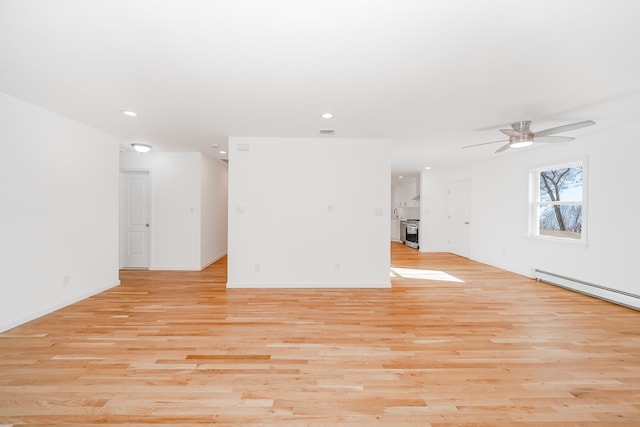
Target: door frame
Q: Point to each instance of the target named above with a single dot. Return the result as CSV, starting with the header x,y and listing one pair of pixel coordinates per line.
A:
x,y
122,224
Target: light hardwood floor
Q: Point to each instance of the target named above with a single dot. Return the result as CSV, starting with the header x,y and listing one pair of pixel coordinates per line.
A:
x,y
177,348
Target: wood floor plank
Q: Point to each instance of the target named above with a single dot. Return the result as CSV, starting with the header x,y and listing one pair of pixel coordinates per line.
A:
x,y
453,342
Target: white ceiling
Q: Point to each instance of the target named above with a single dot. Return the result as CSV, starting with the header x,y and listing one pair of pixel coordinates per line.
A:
x,y
432,76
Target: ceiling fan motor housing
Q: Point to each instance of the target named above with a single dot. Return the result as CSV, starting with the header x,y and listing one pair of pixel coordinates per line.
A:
x,y
522,126
526,135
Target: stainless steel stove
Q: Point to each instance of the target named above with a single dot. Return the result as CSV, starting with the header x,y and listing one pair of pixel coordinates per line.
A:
x,y
411,237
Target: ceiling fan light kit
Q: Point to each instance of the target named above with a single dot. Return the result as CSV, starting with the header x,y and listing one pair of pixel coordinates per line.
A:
x,y
521,144
141,148
520,135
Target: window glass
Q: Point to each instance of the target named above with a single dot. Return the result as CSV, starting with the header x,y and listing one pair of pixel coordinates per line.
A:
x,y
560,221
561,184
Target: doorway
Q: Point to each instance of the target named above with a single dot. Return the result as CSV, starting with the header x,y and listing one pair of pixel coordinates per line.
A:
x,y
459,218
135,205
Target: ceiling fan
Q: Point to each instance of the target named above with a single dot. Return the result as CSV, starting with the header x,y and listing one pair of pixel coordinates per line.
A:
x,y
521,136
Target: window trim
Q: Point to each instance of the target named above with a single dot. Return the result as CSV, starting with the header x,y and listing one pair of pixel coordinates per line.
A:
x,y
534,201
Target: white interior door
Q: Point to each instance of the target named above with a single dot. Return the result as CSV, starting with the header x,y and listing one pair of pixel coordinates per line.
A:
x,y
134,219
460,218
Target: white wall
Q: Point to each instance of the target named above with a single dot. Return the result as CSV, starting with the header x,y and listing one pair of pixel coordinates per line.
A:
x,y
175,207
433,211
59,216
500,211
213,245
281,230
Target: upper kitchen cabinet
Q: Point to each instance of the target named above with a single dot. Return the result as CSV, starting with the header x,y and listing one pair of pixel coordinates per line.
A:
x,y
407,195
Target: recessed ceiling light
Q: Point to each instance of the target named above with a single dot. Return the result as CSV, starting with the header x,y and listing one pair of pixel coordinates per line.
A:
x,y
401,177
222,152
141,148
427,168
129,113
327,115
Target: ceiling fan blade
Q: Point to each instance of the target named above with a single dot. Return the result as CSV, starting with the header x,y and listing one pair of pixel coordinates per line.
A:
x,y
564,128
504,147
485,143
511,132
553,138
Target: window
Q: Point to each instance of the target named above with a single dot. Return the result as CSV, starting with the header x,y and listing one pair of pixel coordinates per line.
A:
x,y
558,202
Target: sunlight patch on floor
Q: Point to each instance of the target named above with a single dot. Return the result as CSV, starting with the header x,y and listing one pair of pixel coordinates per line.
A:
x,y
415,273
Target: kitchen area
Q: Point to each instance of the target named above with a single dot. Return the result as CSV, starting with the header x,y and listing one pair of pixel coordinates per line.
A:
x,y
405,215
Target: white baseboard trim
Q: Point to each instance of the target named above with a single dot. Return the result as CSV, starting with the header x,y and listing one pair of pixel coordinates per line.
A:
x,y
173,268
32,316
356,285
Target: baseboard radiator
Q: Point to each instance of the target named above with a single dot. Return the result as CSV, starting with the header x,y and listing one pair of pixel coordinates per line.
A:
x,y
616,296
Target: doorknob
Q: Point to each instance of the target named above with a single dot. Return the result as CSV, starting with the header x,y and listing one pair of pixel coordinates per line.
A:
x,y
146,225
466,222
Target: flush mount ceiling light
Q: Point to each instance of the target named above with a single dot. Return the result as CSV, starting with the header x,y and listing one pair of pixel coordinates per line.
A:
x,y
521,144
222,152
141,148
129,113
327,116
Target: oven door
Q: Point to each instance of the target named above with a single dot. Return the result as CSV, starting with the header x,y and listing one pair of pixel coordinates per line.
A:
x,y
412,235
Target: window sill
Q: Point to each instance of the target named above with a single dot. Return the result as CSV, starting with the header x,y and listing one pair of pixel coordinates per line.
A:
x,y
575,243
